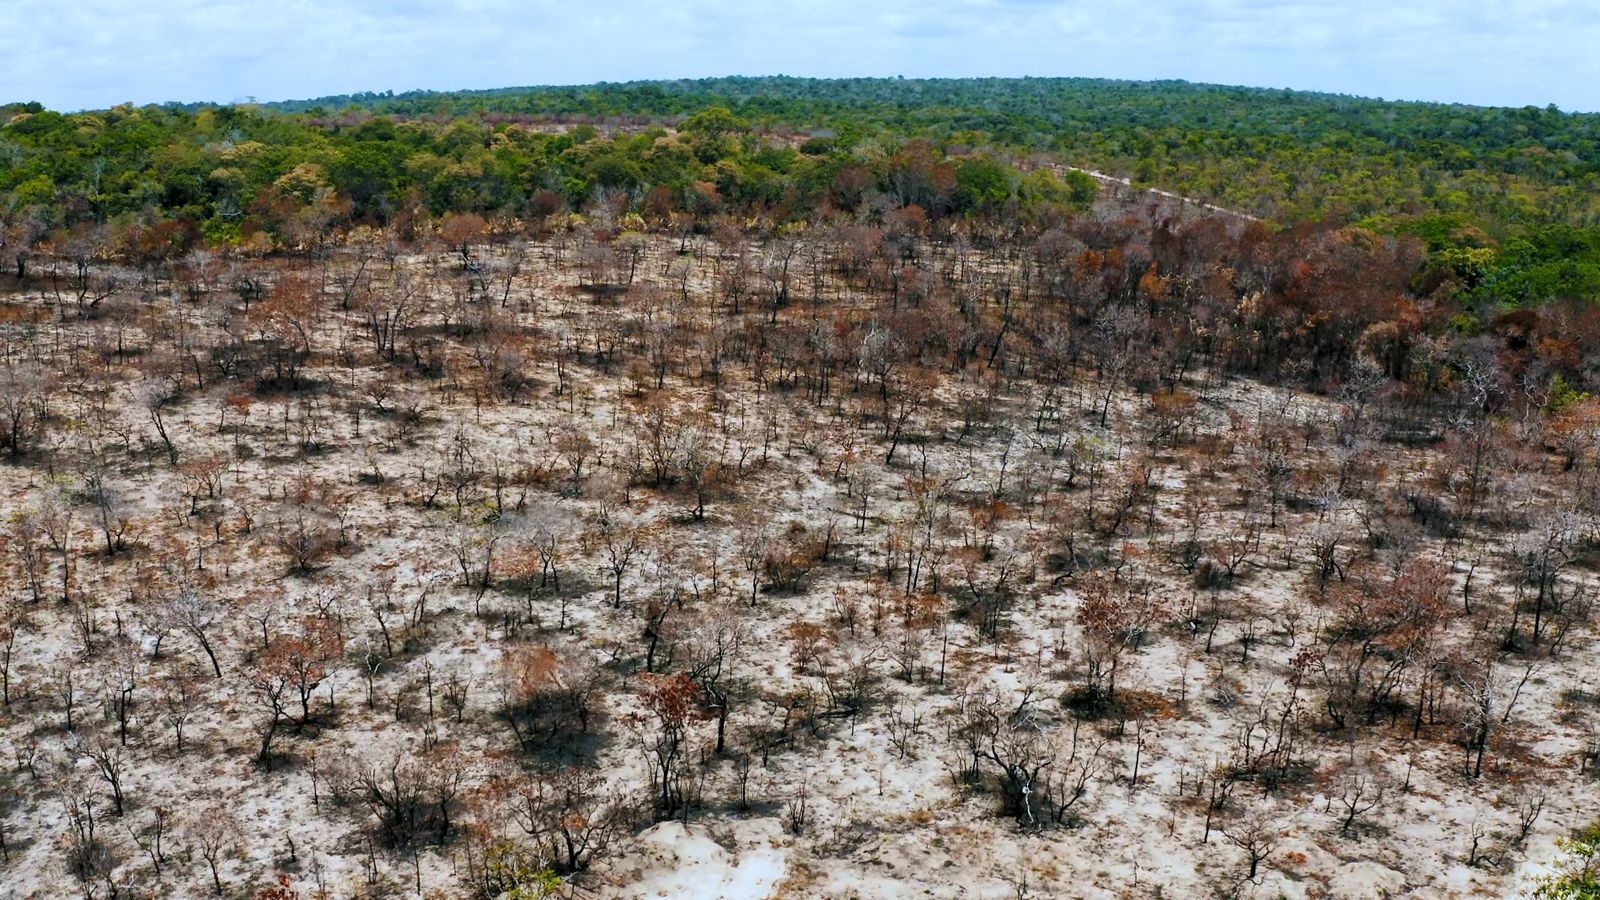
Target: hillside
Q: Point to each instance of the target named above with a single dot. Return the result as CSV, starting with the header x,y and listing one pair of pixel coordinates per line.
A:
x,y
775,489
1325,154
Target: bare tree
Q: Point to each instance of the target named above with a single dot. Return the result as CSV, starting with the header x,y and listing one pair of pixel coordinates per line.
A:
x,y
1257,831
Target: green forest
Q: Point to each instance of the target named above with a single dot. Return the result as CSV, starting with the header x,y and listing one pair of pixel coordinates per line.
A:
x,y
1506,201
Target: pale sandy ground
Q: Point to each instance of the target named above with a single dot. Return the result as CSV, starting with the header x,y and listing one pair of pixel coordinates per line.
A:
x,y
881,826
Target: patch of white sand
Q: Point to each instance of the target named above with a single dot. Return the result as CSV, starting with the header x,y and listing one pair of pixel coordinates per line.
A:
x,y
689,865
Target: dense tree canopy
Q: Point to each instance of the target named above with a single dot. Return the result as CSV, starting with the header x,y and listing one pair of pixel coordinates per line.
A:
x,y
1505,199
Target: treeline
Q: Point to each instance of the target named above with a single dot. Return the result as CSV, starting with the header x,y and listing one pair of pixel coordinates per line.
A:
x,y
1507,201
246,176
1289,155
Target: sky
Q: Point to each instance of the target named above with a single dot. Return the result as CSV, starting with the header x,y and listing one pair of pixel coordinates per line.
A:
x,y
88,54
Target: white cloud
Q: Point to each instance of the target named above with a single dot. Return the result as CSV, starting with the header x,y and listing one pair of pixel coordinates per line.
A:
x,y
89,53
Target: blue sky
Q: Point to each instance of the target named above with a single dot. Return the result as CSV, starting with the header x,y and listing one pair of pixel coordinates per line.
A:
x,y
72,54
